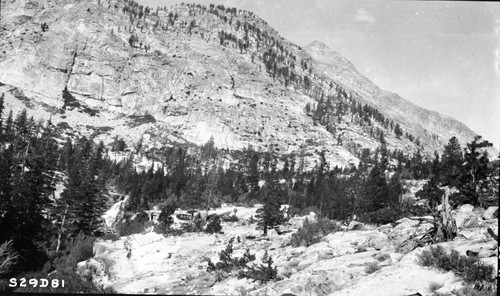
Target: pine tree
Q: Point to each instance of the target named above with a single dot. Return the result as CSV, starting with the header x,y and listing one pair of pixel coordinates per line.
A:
x,y
436,166
431,192
375,190
211,187
252,171
6,206
270,214
452,161
475,168
398,131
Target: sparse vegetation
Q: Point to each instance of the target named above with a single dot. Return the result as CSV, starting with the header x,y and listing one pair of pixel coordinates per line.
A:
x,y
227,262
118,145
471,269
371,267
263,272
382,256
110,236
129,228
213,225
229,218
433,286
470,291
311,232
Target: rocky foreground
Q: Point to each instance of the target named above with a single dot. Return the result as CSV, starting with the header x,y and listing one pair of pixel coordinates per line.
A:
x,y
359,260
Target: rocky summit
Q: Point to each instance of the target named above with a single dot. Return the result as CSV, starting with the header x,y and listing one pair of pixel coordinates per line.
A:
x,y
191,72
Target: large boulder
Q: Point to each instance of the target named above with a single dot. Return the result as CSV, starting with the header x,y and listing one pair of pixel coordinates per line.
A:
x,y
307,283
491,213
101,248
465,208
465,219
380,242
297,222
356,225
91,268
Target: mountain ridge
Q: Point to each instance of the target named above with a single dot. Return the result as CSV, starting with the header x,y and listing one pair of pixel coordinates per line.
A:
x,y
229,75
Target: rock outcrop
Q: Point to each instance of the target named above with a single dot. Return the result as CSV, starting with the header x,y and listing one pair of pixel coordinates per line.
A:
x,y
338,265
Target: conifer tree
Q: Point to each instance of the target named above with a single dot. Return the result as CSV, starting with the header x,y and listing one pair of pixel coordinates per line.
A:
x,y
475,168
375,190
252,171
431,192
452,161
270,214
211,187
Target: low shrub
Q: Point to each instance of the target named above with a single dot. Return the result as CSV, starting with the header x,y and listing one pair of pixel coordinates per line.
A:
x,y
360,249
227,263
166,230
129,228
229,218
118,145
183,216
110,236
311,232
382,257
470,291
263,272
213,225
191,227
433,286
471,269
141,119
371,267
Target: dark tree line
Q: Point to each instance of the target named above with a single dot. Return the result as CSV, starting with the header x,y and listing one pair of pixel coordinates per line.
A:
x,y
467,169
32,162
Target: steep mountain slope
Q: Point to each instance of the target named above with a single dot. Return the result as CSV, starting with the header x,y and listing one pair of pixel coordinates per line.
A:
x,y
430,126
190,72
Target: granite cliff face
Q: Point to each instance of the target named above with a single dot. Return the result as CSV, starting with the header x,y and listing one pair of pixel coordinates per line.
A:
x,y
172,76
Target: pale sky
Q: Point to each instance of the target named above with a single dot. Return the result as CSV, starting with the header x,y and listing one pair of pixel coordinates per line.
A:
x,y
440,55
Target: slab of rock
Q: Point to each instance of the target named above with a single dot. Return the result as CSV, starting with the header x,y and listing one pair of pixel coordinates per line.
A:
x,y
356,225
491,213
466,208
465,219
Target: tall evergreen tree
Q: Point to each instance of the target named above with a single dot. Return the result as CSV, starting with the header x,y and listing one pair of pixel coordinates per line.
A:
x,y
431,192
375,191
270,214
475,168
452,161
